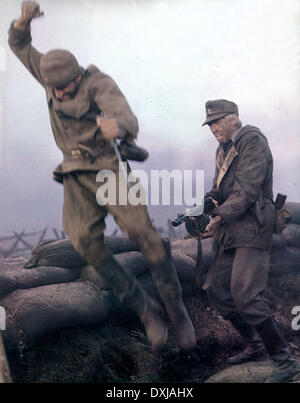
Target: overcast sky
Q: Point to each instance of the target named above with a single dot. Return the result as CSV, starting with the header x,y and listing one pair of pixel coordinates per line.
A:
x,y
169,57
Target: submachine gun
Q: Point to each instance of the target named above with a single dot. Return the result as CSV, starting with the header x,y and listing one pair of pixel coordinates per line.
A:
x,y
200,218
196,226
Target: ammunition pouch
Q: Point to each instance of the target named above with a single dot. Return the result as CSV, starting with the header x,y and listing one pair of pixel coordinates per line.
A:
x,y
282,217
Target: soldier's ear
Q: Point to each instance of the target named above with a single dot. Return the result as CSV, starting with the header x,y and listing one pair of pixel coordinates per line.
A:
x,y
78,79
234,119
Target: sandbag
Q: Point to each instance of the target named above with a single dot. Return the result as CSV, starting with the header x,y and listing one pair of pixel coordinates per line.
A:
x,y
45,275
291,234
61,253
55,253
132,261
13,276
6,262
8,283
185,267
294,209
188,288
278,241
186,247
38,311
284,261
189,247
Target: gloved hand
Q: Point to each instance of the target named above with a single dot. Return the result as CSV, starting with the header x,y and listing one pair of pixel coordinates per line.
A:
x,y
212,227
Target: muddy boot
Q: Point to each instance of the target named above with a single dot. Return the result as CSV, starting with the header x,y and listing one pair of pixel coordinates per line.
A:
x,y
255,350
129,292
165,277
287,369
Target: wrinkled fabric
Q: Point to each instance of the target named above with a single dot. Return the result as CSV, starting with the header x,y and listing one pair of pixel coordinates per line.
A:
x,y
84,219
245,170
238,275
84,223
236,282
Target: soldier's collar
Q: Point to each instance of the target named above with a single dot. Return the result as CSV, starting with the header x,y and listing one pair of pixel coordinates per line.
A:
x,y
234,136
227,145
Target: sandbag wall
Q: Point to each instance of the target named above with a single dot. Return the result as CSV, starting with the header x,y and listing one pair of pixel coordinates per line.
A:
x,y
56,289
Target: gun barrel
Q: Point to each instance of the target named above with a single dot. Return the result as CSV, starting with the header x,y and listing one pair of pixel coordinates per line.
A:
x,y
178,221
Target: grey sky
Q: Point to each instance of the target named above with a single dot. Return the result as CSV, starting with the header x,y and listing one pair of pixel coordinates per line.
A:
x,y
168,57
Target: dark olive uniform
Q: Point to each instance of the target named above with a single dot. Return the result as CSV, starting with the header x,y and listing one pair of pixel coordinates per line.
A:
x,y
239,274
243,187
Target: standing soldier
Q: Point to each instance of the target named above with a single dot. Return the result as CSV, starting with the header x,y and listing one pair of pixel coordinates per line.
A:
x,y
242,228
76,97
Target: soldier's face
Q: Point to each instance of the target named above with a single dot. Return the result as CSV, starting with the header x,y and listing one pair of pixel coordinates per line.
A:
x,y
67,92
222,130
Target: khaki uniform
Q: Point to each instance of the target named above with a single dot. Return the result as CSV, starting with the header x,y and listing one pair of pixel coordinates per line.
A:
x,y
74,127
85,153
73,122
239,273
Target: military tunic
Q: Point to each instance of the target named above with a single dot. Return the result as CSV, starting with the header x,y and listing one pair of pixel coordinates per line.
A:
x,y
73,122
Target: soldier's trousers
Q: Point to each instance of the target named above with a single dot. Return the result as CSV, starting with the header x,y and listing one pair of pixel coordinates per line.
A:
x,y
84,223
236,282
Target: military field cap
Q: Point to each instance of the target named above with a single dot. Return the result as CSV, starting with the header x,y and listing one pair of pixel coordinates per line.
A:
x,y
58,68
218,109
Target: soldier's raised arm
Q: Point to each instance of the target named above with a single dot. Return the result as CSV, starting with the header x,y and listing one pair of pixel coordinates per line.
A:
x,y
20,39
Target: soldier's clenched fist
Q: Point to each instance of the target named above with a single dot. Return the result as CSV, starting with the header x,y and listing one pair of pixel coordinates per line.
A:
x,y
30,10
108,126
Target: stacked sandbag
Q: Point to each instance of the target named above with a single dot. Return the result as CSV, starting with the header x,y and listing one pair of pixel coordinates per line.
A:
x,y
47,298
131,261
285,256
291,235
13,276
189,247
134,263
38,311
61,290
283,261
61,252
294,209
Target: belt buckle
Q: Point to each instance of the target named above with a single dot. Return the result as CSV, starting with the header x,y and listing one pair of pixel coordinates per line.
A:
x,y
76,154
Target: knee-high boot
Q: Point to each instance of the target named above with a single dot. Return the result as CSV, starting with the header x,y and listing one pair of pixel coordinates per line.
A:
x,y
255,349
165,277
286,367
128,290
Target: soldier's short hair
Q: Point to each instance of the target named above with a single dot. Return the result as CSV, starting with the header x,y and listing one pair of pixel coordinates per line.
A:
x,y
232,116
